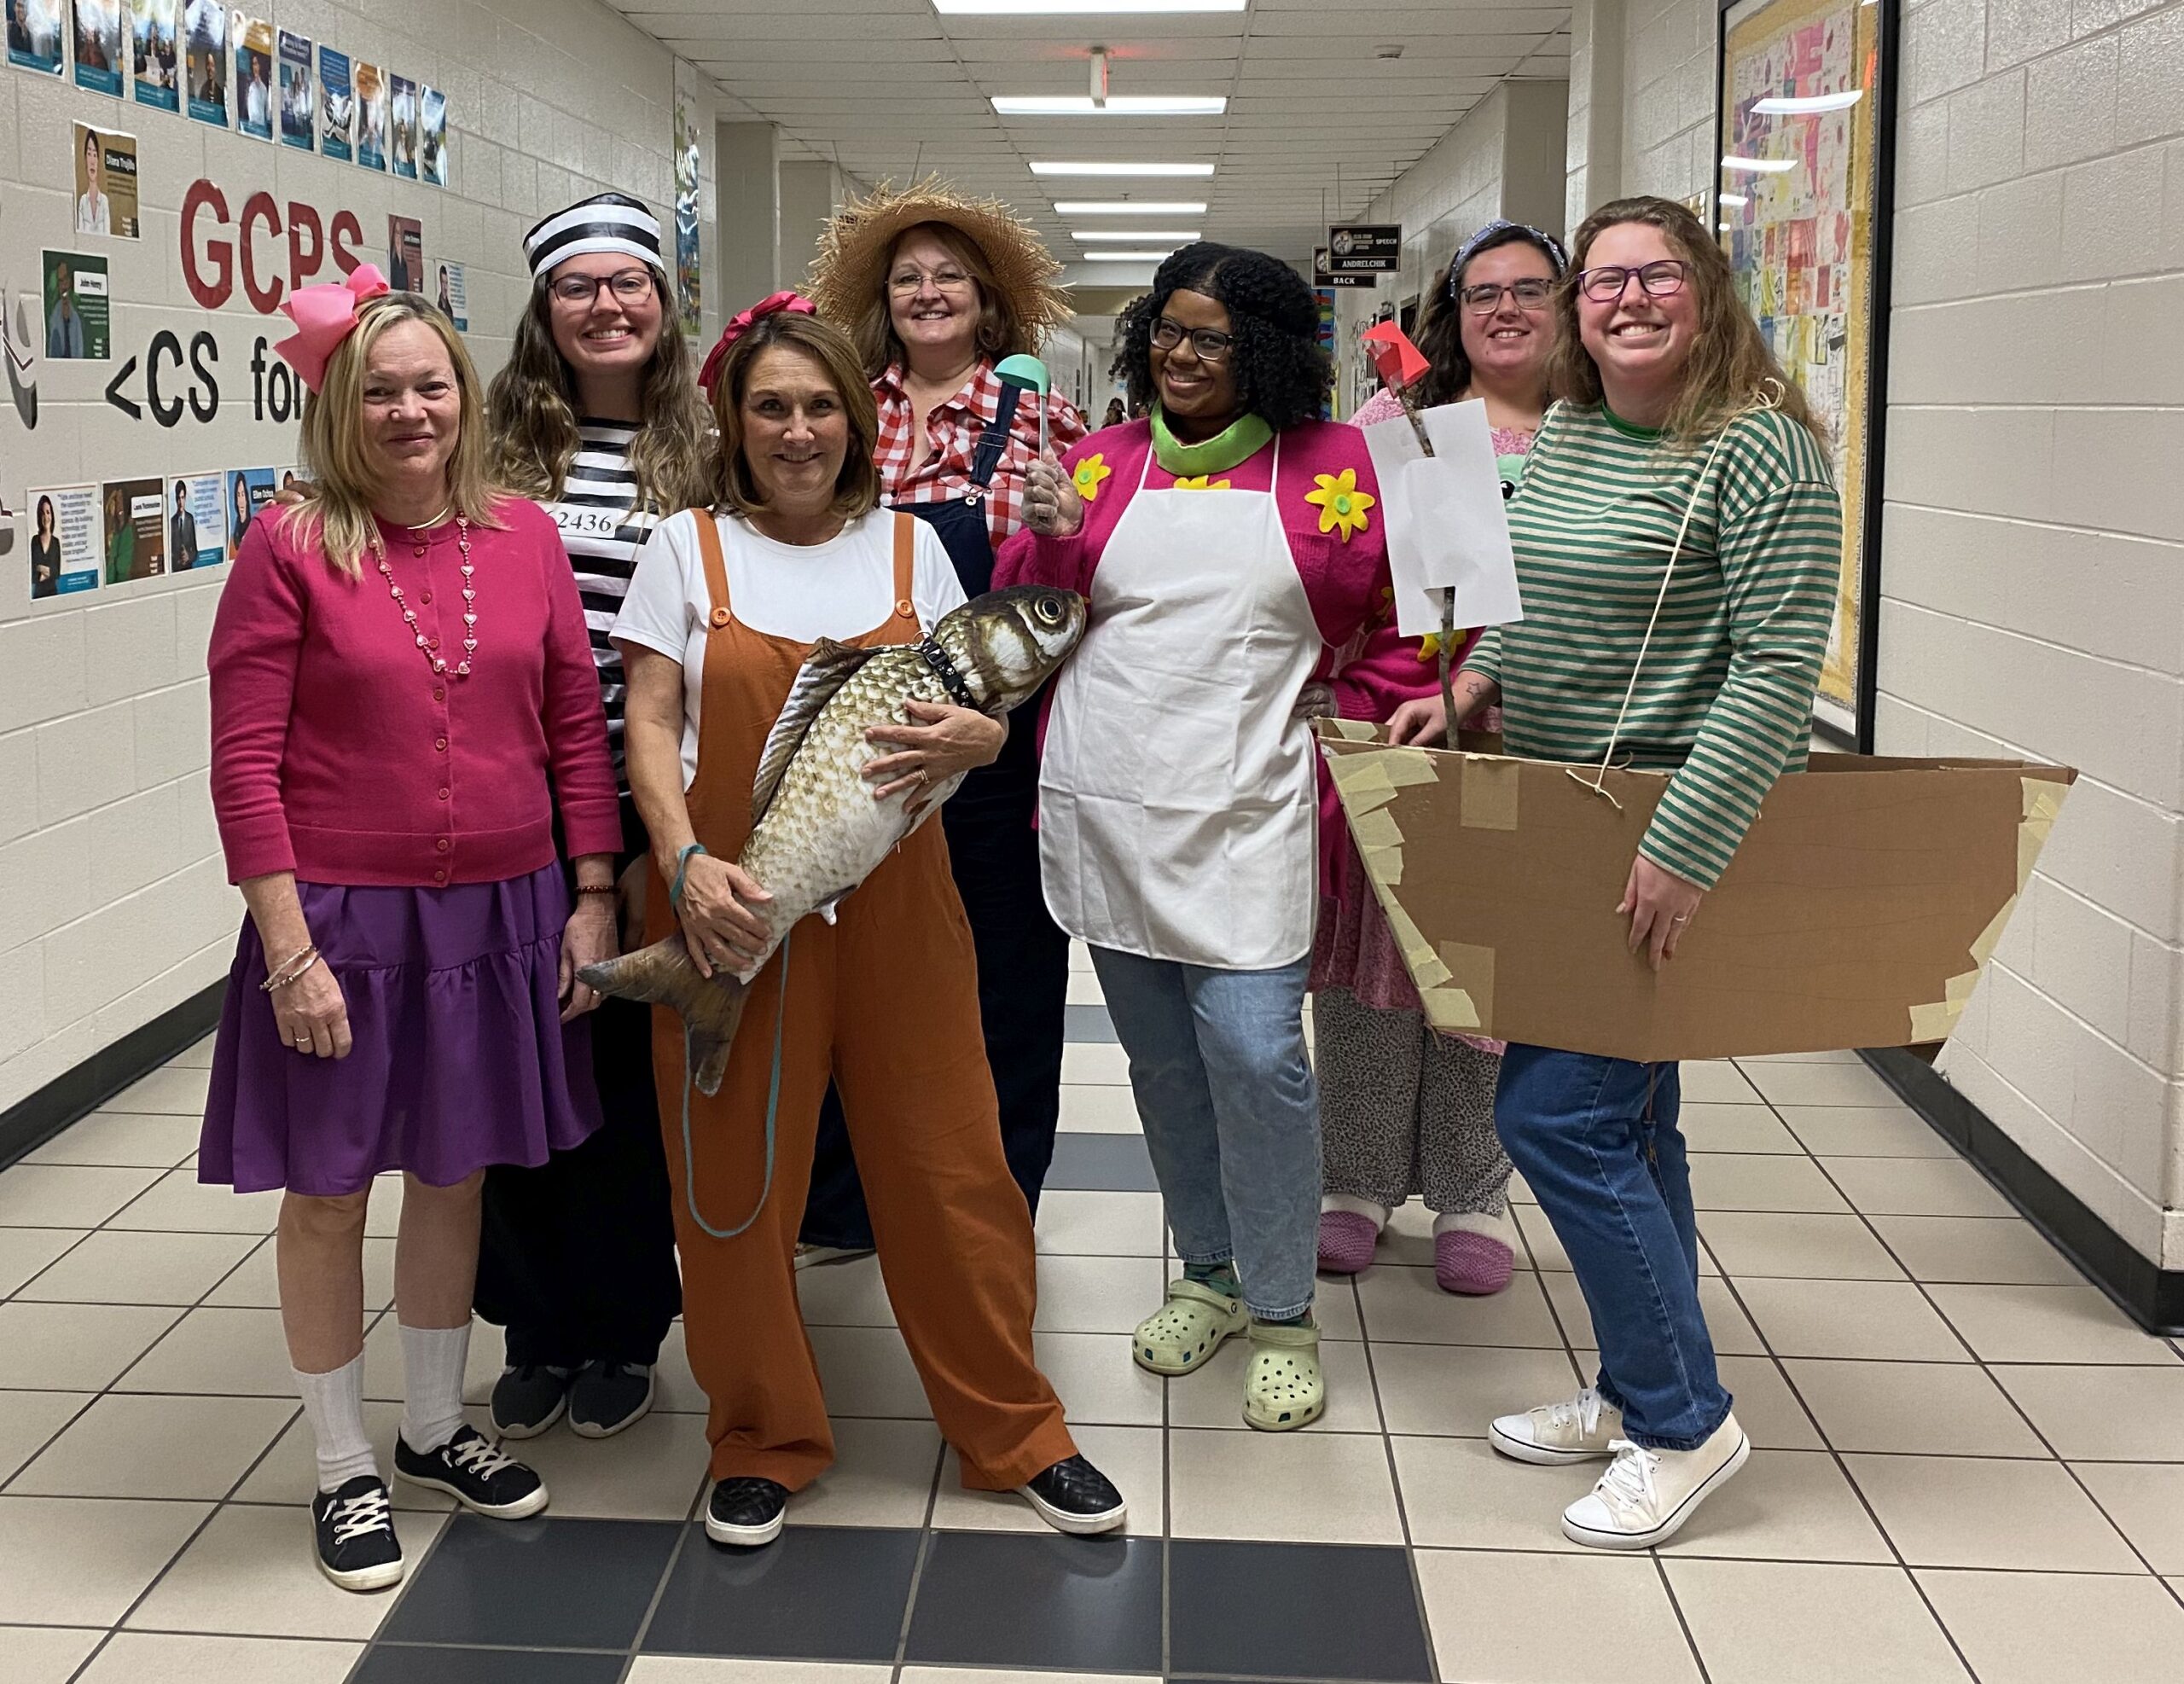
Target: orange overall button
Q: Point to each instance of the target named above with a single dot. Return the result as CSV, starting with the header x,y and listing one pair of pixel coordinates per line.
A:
x,y
719,618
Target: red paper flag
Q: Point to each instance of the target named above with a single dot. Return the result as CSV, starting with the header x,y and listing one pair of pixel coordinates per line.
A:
x,y
1400,362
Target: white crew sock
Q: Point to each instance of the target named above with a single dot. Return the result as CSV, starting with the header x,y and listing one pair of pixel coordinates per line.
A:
x,y
334,1404
432,1360
1477,1222
1377,1214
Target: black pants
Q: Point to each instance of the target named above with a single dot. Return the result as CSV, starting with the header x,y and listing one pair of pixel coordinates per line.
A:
x,y
1023,992
577,1257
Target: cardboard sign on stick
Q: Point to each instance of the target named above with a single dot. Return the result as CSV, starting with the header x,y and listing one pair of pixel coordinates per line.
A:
x,y
1859,911
1447,526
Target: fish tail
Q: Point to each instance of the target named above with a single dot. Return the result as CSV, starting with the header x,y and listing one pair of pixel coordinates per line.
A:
x,y
663,975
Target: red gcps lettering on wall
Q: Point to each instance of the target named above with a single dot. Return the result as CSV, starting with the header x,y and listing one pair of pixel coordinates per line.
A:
x,y
216,250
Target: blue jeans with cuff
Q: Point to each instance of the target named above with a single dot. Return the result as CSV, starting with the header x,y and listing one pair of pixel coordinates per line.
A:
x,y
1597,1140
1231,1115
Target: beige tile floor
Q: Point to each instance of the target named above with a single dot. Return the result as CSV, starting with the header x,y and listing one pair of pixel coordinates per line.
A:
x,y
1969,1464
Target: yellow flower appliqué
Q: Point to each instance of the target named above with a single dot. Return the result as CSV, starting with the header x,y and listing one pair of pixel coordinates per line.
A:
x,y
1088,474
1342,505
1201,483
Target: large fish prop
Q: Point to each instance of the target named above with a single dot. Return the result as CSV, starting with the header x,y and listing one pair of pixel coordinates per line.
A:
x,y
816,831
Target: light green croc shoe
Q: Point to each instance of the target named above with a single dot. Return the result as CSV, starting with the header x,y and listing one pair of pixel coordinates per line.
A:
x,y
1187,1330
1283,1387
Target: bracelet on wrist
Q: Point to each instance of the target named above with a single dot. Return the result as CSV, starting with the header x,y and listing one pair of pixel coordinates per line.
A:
x,y
290,969
682,867
594,889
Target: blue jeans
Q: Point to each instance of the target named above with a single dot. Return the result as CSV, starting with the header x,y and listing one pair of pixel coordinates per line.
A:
x,y
1231,1115
1597,1140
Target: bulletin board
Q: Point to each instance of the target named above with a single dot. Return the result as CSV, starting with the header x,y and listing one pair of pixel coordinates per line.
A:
x,y
1804,201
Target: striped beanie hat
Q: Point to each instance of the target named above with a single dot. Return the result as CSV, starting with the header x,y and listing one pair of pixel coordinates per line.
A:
x,y
606,222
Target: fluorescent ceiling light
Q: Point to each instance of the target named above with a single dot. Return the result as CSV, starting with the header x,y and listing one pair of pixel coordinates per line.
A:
x,y
1804,105
1127,256
1179,236
1056,8
1733,199
1117,105
1758,166
1125,207
1122,169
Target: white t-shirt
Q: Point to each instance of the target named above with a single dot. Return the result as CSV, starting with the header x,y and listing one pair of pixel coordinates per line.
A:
x,y
842,589
94,214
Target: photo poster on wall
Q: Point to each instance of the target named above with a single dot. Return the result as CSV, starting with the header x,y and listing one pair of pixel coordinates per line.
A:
x,y
135,529
34,34
689,286
106,182
155,54
405,254
253,39
78,327
99,46
197,521
371,116
451,293
250,490
337,104
64,523
432,136
402,126
299,94
204,61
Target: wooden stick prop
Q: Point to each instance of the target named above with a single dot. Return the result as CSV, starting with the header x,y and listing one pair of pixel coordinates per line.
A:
x,y
1402,366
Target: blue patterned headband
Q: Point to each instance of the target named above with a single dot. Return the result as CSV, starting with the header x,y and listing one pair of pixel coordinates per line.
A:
x,y
1546,241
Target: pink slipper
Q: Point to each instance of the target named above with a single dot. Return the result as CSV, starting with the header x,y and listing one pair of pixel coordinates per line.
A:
x,y
1346,1241
1470,1263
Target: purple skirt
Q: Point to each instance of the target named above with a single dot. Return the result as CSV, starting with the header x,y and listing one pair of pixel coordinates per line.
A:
x,y
461,1058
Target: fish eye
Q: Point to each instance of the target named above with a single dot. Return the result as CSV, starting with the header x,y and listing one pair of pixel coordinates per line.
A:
x,y
1048,609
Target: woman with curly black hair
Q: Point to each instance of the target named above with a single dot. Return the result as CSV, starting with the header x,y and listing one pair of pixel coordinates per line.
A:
x,y
1225,542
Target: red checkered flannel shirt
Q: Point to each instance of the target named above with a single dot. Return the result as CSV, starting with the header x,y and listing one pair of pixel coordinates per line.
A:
x,y
954,428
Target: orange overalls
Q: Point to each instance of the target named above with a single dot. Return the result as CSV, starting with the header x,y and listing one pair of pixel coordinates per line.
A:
x,y
886,999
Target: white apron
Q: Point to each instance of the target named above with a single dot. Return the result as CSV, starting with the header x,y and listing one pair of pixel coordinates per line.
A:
x,y
1177,801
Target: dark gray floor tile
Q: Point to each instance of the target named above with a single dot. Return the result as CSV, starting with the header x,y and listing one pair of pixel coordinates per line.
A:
x,y
397,1664
820,1593
1343,1611
1090,1023
1025,1600
566,1584
1102,1163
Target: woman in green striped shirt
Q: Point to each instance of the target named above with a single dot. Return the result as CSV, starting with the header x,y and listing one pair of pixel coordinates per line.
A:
x,y
1677,521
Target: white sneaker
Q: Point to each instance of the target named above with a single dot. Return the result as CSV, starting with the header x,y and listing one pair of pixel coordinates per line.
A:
x,y
1646,1495
1581,1430
812,1257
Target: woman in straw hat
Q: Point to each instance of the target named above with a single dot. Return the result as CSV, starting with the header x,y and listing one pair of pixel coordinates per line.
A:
x,y
935,290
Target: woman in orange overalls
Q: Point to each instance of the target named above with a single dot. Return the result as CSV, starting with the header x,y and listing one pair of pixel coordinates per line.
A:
x,y
720,615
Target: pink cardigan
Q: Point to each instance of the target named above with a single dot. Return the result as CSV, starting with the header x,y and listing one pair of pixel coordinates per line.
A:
x,y
338,754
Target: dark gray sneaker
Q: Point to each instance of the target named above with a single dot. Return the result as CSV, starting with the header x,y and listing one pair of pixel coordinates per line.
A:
x,y
357,1549
528,1398
604,1397
483,1479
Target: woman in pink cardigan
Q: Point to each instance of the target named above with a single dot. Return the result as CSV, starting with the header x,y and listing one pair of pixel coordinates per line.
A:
x,y
1405,1109
399,666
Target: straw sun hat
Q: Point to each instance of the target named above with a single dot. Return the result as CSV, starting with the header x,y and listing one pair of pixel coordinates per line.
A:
x,y
855,248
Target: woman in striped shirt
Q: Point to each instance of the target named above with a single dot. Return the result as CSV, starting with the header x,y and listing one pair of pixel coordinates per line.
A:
x,y
597,415
1678,540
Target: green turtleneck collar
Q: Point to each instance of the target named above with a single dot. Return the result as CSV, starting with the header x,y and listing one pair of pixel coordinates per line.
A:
x,y
1244,438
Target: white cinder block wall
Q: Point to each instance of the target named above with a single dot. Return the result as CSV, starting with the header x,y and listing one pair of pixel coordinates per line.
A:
x,y
114,902
2033,567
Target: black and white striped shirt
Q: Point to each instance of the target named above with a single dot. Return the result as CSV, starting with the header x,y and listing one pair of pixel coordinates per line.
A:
x,y
602,532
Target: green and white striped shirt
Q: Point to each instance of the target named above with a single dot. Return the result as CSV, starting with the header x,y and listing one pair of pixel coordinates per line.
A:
x,y
1726,693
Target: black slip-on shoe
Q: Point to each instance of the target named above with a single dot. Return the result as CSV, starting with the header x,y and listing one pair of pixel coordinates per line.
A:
x,y
1074,1496
745,1511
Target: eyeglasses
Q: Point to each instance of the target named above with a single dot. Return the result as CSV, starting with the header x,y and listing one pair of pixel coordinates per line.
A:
x,y
1484,299
1658,280
1210,344
910,282
630,285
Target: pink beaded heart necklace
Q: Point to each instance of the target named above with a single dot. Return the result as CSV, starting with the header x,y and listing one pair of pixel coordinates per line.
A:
x,y
431,648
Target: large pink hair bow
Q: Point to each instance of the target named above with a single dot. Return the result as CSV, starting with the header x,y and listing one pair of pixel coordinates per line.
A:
x,y
794,303
324,316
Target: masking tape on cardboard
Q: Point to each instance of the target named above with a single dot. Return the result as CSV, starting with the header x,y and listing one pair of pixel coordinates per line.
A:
x,y
1380,844
1490,794
1418,958
1469,1001
1350,730
1937,1021
1984,943
1408,766
2043,801
1449,1008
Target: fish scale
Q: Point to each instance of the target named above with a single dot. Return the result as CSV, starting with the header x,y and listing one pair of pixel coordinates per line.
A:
x,y
820,834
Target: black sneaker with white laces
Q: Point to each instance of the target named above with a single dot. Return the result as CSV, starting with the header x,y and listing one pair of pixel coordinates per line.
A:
x,y
606,1397
1074,1496
528,1398
483,1480
745,1511
357,1549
